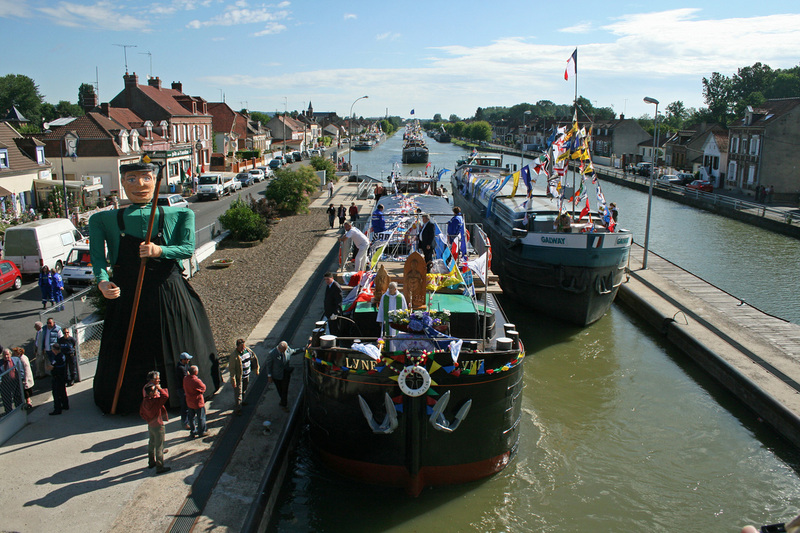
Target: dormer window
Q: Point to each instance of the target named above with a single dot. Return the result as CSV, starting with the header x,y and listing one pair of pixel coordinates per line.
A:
x,y
40,155
123,141
135,141
3,158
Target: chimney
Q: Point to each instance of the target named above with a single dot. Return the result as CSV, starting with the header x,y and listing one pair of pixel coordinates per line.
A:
x,y
622,116
131,83
104,108
89,102
154,82
177,86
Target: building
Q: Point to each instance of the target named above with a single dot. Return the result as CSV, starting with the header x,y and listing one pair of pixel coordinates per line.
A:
x,y
618,142
183,122
763,149
287,133
715,158
684,150
22,160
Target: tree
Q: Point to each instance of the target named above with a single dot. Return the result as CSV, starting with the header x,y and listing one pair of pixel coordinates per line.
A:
x,y
259,116
479,114
454,118
68,109
479,131
86,91
21,91
458,129
438,117
676,114
717,96
244,224
323,163
290,189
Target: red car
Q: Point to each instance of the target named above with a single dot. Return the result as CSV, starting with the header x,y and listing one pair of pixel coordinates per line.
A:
x,y
10,276
701,185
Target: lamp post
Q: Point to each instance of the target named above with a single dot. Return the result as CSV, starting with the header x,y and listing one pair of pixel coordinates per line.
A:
x,y
285,112
522,139
649,100
350,149
71,141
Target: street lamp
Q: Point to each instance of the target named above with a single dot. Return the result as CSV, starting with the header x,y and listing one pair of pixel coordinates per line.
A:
x,y
522,139
350,149
71,142
649,100
285,112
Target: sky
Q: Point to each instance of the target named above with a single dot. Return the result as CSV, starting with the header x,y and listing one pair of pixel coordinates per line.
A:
x,y
430,56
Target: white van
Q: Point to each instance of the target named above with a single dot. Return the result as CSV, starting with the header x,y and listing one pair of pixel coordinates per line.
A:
x,y
41,242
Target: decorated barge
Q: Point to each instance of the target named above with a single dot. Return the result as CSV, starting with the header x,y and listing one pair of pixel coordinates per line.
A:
x,y
433,395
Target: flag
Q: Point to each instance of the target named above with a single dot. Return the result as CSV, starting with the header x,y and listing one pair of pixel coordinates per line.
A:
x,y
515,183
526,177
412,111
585,211
479,266
184,179
572,65
441,173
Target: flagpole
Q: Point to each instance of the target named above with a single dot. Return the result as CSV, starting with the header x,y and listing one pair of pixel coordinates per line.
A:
x,y
575,103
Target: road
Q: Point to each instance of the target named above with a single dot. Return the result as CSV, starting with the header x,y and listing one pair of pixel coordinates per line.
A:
x,y
20,309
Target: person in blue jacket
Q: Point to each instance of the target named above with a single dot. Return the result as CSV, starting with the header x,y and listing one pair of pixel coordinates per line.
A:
x,y
56,288
378,222
45,286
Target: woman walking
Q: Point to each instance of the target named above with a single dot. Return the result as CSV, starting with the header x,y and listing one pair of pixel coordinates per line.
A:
x,y
331,215
342,213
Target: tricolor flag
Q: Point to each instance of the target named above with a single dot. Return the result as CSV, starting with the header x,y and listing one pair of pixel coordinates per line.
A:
x,y
412,111
572,66
585,211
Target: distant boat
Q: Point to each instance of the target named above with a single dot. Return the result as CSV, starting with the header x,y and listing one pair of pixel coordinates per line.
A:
x,y
570,271
363,145
442,135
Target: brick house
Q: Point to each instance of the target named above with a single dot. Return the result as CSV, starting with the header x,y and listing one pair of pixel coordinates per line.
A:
x,y
762,149
22,160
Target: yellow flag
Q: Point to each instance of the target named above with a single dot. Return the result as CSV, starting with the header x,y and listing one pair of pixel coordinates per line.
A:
x,y
515,177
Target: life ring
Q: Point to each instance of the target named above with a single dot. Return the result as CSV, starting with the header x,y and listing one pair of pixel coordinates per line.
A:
x,y
422,388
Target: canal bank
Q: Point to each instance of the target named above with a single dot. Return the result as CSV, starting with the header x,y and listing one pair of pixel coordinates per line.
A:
x,y
754,355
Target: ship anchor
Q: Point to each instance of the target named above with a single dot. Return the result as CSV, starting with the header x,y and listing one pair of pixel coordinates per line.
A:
x,y
389,423
440,423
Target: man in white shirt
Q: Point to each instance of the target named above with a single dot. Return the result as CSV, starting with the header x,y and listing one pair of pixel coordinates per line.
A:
x,y
360,241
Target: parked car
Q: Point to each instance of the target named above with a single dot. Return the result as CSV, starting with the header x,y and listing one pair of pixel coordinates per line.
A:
x,y
297,156
213,186
315,153
701,185
305,154
245,178
643,169
269,174
172,200
10,276
672,179
236,185
276,163
685,177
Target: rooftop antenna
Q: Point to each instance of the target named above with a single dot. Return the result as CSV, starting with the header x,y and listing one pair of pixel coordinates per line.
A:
x,y
125,49
151,60
243,103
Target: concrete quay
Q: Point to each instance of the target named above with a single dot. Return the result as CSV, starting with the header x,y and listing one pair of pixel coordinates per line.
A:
x,y
754,355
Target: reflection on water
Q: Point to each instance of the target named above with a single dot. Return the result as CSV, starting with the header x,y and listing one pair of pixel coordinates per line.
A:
x,y
619,432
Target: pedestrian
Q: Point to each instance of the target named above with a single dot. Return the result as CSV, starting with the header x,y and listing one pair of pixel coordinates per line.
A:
x,y
56,289
58,379
67,343
12,375
39,359
361,243
353,212
154,413
181,371
378,192
242,363
759,194
331,215
45,287
455,227
195,181
614,211
279,371
51,334
194,388
330,189
170,318
342,214
333,302
28,381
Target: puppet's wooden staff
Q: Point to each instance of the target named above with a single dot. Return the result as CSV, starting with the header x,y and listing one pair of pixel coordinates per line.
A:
x,y
137,294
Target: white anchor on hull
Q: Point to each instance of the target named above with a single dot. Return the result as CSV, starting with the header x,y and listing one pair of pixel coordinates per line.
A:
x,y
389,423
440,423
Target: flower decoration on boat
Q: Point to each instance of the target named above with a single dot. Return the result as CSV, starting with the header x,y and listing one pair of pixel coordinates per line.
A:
x,y
419,320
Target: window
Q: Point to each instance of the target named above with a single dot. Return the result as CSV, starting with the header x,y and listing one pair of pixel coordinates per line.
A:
x,y
67,238
40,155
754,145
751,175
735,145
732,171
3,158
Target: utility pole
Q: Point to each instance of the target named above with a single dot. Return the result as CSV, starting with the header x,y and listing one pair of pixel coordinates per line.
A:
x,y
125,49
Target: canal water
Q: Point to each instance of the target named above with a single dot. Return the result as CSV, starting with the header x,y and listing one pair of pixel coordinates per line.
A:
x,y
620,432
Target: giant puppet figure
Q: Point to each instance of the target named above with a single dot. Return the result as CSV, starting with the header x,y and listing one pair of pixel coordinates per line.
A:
x,y
170,317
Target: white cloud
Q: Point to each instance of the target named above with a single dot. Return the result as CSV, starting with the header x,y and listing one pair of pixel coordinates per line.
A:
x,y
350,16
270,29
388,35
102,15
580,28
240,14
13,8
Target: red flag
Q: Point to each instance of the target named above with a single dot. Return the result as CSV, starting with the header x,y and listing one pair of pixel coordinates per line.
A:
x,y
585,210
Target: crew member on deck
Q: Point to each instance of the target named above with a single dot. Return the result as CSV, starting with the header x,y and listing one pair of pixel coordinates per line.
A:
x,y
378,222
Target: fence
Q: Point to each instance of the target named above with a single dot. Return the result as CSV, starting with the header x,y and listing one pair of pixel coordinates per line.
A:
x,y
14,416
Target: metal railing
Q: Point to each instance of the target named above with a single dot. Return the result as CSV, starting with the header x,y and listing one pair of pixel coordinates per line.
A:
x,y
12,390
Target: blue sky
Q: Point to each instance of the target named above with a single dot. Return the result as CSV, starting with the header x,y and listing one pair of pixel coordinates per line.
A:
x,y
432,56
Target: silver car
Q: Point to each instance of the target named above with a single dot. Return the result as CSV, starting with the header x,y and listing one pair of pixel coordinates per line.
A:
x,y
172,200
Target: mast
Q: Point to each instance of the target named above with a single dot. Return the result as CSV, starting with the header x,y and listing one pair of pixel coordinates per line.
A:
x,y
575,114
